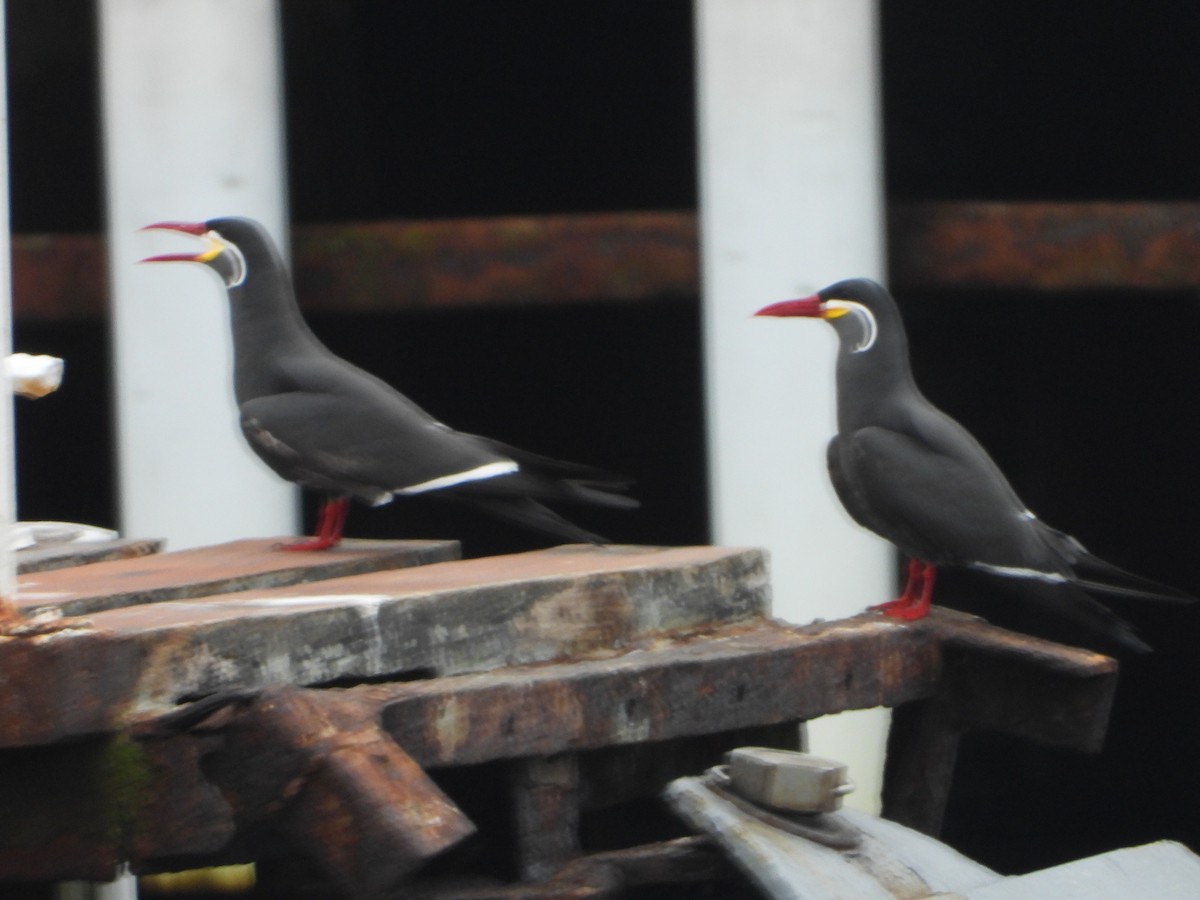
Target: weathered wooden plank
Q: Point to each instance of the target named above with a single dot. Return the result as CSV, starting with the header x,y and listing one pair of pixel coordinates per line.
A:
x,y
220,569
45,557
445,618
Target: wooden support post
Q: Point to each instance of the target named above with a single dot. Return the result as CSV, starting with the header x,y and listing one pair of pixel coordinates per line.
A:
x,y
546,799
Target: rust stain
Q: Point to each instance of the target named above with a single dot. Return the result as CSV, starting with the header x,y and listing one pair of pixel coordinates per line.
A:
x,y
1046,246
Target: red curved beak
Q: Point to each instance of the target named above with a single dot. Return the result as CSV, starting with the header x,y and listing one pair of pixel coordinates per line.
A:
x,y
196,228
809,307
185,227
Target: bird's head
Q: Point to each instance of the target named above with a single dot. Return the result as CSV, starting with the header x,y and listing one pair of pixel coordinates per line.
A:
x,y
226,241
853,307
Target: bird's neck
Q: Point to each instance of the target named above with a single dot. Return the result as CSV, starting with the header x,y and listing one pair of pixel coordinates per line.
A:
x,y
267,330
875,386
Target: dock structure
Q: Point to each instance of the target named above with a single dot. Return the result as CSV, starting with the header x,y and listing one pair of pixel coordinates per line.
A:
x,y
386,713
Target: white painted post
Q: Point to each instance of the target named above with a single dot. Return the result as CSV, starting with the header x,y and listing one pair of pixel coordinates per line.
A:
x,y
8,478
791,200
192,130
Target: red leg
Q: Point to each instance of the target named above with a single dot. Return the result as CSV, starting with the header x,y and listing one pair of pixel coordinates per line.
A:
x,y
914,600
330,520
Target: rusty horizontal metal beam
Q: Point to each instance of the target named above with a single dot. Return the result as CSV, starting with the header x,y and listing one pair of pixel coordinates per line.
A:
x,y
383,266
59,277
554,259
509,260
1045,246
209,788
763,674
175,788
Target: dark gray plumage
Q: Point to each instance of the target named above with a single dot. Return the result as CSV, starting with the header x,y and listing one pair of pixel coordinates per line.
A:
x,y
324,423
913,475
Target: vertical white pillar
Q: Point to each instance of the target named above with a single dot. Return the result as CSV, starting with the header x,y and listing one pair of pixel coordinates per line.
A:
x,y
8,481
192,130
790,200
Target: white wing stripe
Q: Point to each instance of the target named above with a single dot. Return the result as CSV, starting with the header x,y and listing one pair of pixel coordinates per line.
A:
x,y
1018,572
491,470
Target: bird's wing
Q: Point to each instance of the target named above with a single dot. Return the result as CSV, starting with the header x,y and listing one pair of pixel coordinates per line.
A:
x,y
360,445
942,504
848,488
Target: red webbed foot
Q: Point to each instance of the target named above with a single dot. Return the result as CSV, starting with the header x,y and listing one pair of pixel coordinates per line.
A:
x,y
913,603
330,521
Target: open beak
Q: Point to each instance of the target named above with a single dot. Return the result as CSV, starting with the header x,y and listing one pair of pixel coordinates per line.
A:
x,y
220,255
199,229
809,307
